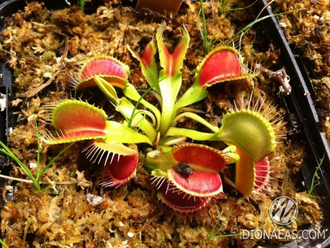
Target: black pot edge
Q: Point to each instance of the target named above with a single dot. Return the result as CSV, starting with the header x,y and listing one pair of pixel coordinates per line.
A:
x,y
301,104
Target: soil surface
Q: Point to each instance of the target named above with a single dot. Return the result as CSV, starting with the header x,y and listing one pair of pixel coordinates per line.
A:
x,y
45,48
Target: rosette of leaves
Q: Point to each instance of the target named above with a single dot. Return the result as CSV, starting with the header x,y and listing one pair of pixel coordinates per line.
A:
x,y
247,129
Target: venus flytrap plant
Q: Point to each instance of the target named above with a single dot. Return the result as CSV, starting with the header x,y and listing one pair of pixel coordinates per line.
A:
x,y
187,175
107,72
255,133
110,69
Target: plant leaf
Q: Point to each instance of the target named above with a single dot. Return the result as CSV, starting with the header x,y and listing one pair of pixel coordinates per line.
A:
x,y
189,166
220,65
109,68
170,77
172,63
230,154
148,64
126,108
195,184
160,160
200,156
245,173
107,89
193,134
197,118
71,115
262,169
194,94
120,133
76,120
119,162
7,151
248,130
44,170
131,92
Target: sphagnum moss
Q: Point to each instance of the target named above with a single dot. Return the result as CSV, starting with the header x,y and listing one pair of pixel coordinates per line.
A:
x,y
129,215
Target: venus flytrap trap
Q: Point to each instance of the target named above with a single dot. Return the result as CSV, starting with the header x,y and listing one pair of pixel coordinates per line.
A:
x,y
171,77
77,120
186,175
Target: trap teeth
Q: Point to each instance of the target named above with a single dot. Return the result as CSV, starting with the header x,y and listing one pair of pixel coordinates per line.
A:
x,y
180,201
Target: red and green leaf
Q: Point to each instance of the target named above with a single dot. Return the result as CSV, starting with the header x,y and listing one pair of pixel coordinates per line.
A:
x,y
262,168
203,162
220,65
119,162
170,78
201,183
111,69
251,177
204,157
73,115
172,62
77,120
148,64
120,172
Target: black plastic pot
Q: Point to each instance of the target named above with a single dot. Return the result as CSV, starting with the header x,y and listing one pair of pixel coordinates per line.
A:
x,y
299,106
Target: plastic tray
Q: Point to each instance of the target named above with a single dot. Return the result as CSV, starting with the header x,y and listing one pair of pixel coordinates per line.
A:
x,y
307,124
298,104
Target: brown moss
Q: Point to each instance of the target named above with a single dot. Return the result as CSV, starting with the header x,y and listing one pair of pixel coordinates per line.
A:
x,y
130,216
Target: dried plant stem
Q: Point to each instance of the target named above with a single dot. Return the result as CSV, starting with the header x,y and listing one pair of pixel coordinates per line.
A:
x,y
30,181
16,179
279,76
